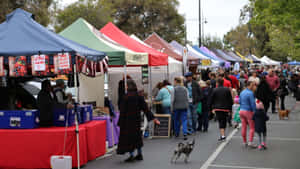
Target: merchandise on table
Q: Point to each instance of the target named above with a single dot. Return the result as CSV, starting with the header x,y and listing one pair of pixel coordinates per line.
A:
x,y
19,119
62,116
86,113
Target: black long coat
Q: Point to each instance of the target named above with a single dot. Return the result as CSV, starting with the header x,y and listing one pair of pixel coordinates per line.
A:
x,y
130,122
264,92
45,104
260,118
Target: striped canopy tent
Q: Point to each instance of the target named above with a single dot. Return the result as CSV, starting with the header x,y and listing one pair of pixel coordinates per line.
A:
x,y
156,42
84,33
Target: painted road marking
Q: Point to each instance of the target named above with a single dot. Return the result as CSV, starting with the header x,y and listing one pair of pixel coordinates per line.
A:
x,y
238,167
215,154
284,122
103,157
272,138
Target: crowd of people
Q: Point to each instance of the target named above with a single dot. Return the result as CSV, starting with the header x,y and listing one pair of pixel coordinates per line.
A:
x,y
228,96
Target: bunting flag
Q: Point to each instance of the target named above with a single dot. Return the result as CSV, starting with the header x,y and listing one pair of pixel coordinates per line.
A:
x,y
40,65
2,71
62,64
90,68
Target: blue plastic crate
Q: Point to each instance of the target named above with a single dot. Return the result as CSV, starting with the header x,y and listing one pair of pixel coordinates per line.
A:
x,y
19,119
60,117
86,113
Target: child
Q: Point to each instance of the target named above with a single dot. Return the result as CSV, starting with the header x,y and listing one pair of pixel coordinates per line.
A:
x,y
260,117
236,112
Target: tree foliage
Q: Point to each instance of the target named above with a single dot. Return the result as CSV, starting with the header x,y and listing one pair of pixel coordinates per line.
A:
x,y
268,27
213,42
142,17
95,12
40,8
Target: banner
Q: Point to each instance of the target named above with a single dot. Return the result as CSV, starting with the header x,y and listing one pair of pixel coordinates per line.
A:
x,y
40,65
60,64
2,72
206,62
17,66
145,74
64,61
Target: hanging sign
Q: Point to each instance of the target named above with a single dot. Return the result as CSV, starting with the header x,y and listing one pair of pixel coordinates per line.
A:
x,y
145,74
39,63
2,72
206,62
61,65
63,61
17,66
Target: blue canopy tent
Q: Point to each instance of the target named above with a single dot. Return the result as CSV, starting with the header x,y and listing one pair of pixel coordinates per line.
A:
x,y
208,55
294,63
21,35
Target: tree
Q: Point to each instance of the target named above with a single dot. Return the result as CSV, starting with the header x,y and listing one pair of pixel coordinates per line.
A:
x,y
143,17
213,42
40,8
281,19
94,11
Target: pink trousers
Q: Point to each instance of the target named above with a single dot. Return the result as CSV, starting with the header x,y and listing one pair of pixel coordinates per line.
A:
x,y
246,118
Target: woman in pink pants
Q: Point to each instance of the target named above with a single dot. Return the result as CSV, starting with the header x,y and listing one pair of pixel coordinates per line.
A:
x,y
247,109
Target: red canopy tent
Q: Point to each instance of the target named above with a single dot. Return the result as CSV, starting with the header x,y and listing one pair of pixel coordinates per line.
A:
x,y
156,58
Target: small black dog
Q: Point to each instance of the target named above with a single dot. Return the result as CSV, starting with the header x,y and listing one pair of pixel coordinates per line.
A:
x,y
185,149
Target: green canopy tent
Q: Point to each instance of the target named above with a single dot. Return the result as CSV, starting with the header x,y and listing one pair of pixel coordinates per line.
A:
x,y
84,33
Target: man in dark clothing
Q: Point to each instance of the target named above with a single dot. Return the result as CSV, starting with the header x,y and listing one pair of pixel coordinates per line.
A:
x,y
221,103
195,97
46,102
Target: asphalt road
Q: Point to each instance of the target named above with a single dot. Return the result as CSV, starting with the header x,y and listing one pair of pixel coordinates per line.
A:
x,y
283,142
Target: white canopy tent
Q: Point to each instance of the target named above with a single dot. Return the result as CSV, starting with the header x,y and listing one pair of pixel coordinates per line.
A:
x,y
267,61
214,63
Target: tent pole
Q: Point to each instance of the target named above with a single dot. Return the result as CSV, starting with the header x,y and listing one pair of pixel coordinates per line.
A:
x,y
150,86
168,72
76,118
125,78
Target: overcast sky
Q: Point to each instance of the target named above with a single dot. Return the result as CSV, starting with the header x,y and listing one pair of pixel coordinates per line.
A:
x,y
221,16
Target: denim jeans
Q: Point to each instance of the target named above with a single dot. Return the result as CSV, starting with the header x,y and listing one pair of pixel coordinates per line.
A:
x,y
192,117
180,117
166,110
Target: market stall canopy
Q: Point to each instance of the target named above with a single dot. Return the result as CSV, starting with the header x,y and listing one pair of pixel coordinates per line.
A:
x,y
84,33
199,50
233,55
156,58
243,57
223,55
254,59
158,43
21,35
267,61
133,36
294,63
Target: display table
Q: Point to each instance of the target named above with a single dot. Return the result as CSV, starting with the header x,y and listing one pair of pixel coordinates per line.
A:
x,y
112,129
32,148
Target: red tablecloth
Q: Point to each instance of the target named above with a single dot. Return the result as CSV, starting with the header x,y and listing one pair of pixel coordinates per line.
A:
x,y
32,148
96,136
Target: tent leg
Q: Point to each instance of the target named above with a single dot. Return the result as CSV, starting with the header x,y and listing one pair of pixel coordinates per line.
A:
x,y
125,78
168,73
76,119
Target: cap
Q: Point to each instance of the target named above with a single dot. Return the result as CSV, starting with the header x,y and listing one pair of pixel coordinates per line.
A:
x,y
188,74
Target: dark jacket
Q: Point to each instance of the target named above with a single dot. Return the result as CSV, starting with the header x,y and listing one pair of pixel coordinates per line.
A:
x,y
264,92
46,105
196,92
260,118
121,92
130,122
283,91
206,97
221,98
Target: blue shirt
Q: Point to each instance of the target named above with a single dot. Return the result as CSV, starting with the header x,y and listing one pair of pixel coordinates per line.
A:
x,y
247,100
164,95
